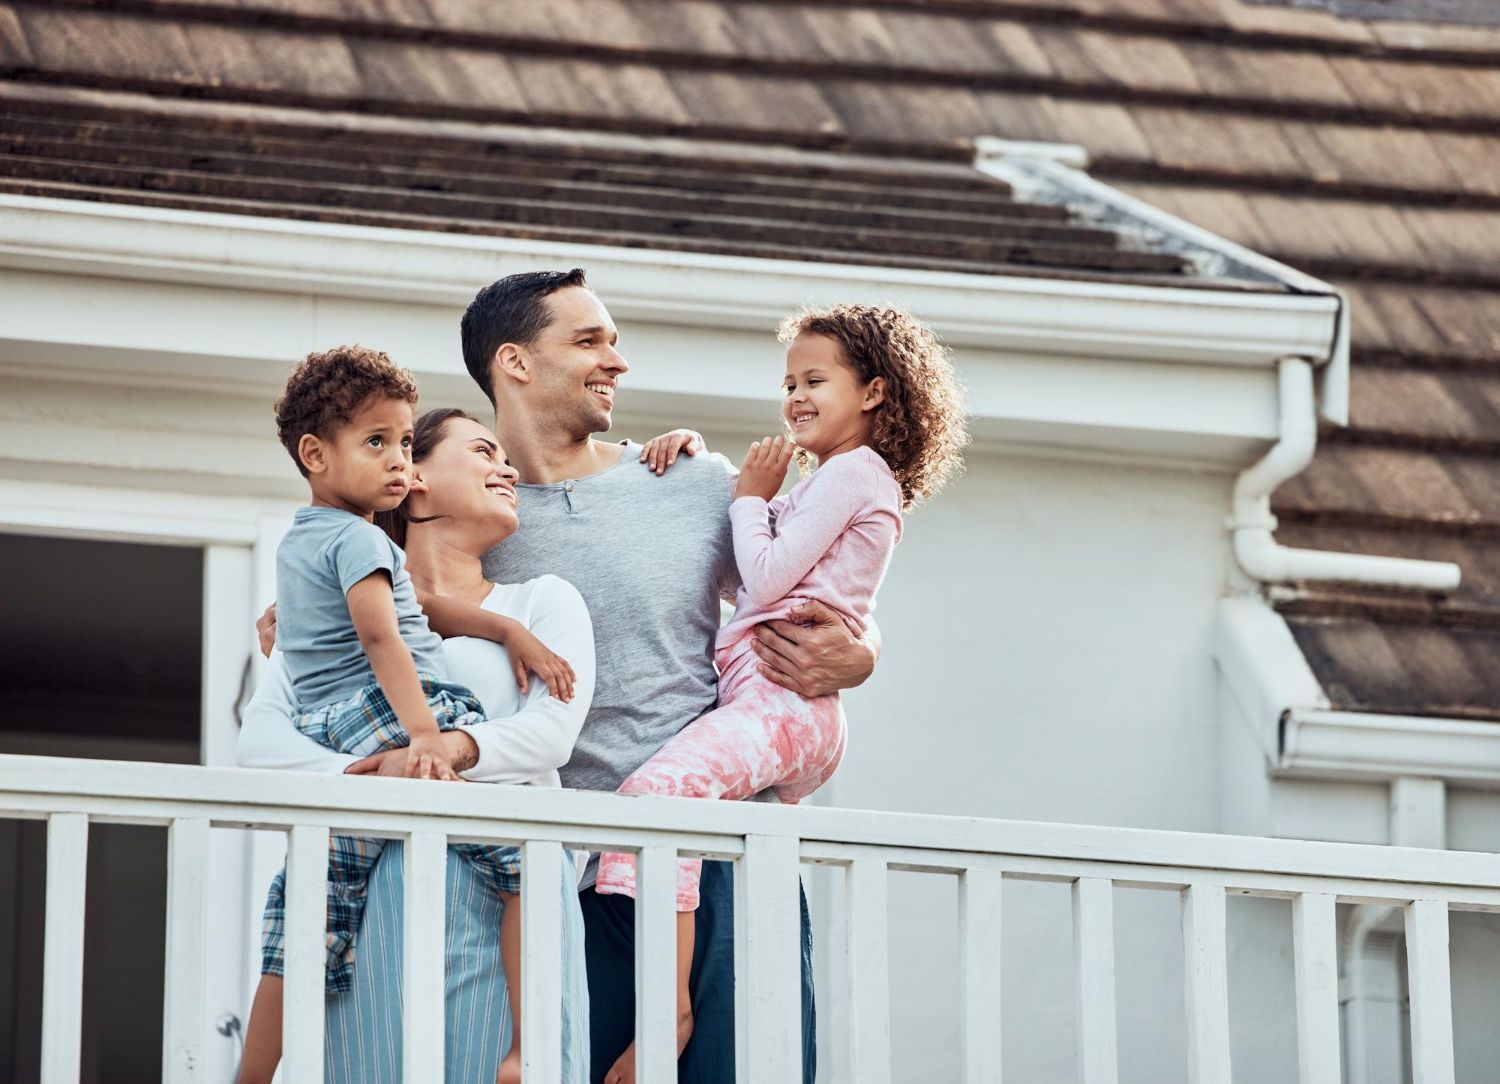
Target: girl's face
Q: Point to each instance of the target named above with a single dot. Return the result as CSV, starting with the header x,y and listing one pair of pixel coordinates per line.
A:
x,y
466,480
827,407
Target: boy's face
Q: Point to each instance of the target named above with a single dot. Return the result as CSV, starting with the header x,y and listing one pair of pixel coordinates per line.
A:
x,y
364,466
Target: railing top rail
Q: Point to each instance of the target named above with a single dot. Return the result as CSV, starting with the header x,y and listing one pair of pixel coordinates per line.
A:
x,y
234,791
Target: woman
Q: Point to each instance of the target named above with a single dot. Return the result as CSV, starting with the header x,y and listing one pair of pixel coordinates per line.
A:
x,y
461,505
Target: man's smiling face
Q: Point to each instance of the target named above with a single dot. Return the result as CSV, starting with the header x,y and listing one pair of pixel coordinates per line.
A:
x,y
577,365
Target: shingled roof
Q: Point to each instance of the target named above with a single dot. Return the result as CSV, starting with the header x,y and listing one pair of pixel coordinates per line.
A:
x,y
1365,153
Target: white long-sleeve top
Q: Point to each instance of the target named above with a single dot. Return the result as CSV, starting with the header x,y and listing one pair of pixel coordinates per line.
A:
x,y
525,738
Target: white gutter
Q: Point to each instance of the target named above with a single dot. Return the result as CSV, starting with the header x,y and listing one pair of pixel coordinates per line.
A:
x,y
1054,173
1251,522
1326,744
1303,736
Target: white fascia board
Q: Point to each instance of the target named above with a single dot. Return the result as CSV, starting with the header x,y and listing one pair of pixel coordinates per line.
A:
x,y
1368,747
1304,737
1088,319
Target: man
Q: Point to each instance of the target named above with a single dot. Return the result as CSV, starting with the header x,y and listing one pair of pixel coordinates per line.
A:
x,y
652,557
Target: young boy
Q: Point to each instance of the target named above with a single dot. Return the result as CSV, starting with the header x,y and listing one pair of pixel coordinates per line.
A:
x,y
366,671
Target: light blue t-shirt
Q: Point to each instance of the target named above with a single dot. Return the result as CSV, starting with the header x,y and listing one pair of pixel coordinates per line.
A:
x,y
326,552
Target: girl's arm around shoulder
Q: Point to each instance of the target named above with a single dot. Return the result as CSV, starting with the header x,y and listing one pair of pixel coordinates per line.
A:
x,y
540,737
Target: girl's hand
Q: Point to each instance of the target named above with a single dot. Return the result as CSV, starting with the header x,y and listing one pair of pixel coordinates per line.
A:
x,y
661,452
528,655
427,758
764,468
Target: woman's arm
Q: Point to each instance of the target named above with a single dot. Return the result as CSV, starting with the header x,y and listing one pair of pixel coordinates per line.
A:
x,y
539,738
268,737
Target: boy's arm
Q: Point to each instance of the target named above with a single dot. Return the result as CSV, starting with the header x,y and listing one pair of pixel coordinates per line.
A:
x,y
452,617
373,611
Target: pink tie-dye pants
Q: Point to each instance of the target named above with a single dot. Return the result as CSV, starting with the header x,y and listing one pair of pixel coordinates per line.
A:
x,y
759,736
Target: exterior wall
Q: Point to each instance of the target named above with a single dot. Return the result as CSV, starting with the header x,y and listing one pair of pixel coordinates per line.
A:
x,y
1046,626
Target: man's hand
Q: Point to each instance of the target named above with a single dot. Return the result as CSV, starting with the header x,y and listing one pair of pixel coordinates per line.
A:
x,y
813,653
265,630
661,452
764,468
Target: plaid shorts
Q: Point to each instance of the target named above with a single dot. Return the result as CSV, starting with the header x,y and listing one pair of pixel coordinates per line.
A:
x,y
362,725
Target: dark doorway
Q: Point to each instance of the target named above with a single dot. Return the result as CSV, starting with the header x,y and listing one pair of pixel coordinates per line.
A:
x,y
102,659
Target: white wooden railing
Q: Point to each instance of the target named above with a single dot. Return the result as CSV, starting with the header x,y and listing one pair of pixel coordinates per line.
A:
x,y
767,844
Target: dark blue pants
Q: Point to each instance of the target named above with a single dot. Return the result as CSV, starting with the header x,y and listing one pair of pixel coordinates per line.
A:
x,y
609,948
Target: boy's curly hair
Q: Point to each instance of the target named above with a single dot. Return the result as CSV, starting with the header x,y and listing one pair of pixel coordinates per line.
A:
x,y
326,389
919,428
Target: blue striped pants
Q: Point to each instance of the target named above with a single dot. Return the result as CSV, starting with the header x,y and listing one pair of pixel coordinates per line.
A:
x,y
364,1024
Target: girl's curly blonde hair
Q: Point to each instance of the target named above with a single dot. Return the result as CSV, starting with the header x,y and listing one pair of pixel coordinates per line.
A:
x,y
919,428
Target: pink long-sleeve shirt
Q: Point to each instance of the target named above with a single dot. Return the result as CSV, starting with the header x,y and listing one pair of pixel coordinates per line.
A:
x,y
829,538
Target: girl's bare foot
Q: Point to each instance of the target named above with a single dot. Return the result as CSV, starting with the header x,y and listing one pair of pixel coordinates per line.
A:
x,y
510,1069
623,1070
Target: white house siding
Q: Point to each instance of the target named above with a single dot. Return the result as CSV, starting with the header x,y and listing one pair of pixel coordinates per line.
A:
x,y
1048,628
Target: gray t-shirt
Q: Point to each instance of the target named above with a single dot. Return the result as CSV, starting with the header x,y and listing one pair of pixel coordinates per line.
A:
x,y
652,557
326,552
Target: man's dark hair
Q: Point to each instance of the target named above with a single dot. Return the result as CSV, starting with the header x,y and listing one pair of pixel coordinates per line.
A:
x,y
513,310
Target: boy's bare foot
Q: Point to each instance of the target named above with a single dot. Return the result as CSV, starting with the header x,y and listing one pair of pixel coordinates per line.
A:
x,y
510,1069
623,1070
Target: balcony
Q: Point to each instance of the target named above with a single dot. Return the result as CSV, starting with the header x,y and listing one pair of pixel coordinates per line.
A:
x,y
768,845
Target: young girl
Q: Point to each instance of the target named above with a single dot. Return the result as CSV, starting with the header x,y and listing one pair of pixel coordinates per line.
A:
x,y
871,394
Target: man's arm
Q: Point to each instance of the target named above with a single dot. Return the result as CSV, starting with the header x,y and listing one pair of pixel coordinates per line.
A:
x,y
815,653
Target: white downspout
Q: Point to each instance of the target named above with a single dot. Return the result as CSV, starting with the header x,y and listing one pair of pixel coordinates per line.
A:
x,y
1251,521
1372,995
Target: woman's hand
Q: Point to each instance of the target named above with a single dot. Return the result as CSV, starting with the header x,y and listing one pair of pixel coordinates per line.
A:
x,y
427,758
528,655
661,452
764,468
462,755
265,630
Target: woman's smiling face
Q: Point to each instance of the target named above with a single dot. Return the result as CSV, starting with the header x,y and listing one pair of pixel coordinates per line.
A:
x,y
466,480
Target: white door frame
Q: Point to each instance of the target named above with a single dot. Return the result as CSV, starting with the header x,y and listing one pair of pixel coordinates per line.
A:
x,y
238,538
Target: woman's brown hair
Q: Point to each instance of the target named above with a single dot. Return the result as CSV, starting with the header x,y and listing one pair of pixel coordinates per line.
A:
x,y
919,427
426,434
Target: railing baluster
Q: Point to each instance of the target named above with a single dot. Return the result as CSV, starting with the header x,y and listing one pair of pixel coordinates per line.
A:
x,y
656,965
306,923
1205,954
425,887
867,891
541,961
187,949
1315,936
979,892
1427,969
1094,975
767,988
62,947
